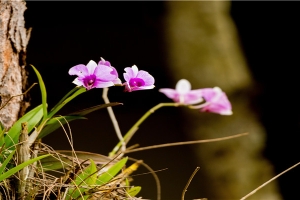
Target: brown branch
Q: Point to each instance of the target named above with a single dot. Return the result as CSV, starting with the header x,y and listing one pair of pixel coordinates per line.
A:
x,y
186,143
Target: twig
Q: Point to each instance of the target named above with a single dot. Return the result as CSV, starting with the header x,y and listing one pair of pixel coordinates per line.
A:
x,y
261,186
188,183
185,143
158,186
113,119
23,156
17,95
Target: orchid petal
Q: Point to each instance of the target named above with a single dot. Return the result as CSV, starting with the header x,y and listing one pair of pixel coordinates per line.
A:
x,y
183,93
145,87
78,82
79,70
101,84
103,73
131,72
183,86
104,62
91,66
148,79
117,81
171,93
217,101
193,97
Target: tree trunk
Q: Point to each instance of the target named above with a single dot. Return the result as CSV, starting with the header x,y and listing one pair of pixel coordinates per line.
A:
x,y
13,78
203,47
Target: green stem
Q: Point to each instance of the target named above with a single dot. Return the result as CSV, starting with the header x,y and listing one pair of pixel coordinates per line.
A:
x,y
131,131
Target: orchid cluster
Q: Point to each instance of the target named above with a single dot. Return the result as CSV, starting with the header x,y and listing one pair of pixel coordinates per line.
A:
x,y
103,75
87,175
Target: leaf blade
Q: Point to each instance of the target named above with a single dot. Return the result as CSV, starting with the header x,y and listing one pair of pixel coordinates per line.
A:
x,y
43,92
32,118
111,172
19,167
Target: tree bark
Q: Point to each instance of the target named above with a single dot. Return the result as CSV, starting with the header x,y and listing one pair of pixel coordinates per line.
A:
x,y
203,47
13,76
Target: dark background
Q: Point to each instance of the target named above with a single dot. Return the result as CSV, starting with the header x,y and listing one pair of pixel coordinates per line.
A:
x,y
126,33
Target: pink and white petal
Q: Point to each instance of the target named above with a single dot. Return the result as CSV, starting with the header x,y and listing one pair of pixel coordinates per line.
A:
x,y
104,62
103,73
147,78
218,103
117,81
129,74
226,112
78,82
135,70
146,87
91,66
208,93
79,70
114,71
193,97
183,86
171,93
101,84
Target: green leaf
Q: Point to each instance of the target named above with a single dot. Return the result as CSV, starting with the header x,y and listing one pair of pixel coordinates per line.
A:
x,y
2,136
2,128
32,118
62,104
43,92
6,161
132,192
55,123
86,178
19,167
111,172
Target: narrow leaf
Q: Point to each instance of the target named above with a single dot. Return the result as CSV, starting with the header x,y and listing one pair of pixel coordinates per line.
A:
x,y
2,128
19,167
134,191
54,124
111,172
86,178
6,161
2,136
43,92
32,118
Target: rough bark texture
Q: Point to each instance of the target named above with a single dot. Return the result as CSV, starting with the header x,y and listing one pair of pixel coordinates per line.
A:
x,y
203,47
13,42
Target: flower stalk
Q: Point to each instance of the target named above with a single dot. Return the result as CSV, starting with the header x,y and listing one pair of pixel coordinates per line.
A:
x,y
133,129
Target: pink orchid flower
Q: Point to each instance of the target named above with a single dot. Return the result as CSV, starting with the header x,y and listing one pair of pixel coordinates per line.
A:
x,y
95,76
183,93
216,101
137,79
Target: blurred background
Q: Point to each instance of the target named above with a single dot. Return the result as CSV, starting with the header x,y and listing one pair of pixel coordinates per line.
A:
x,y
249,49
